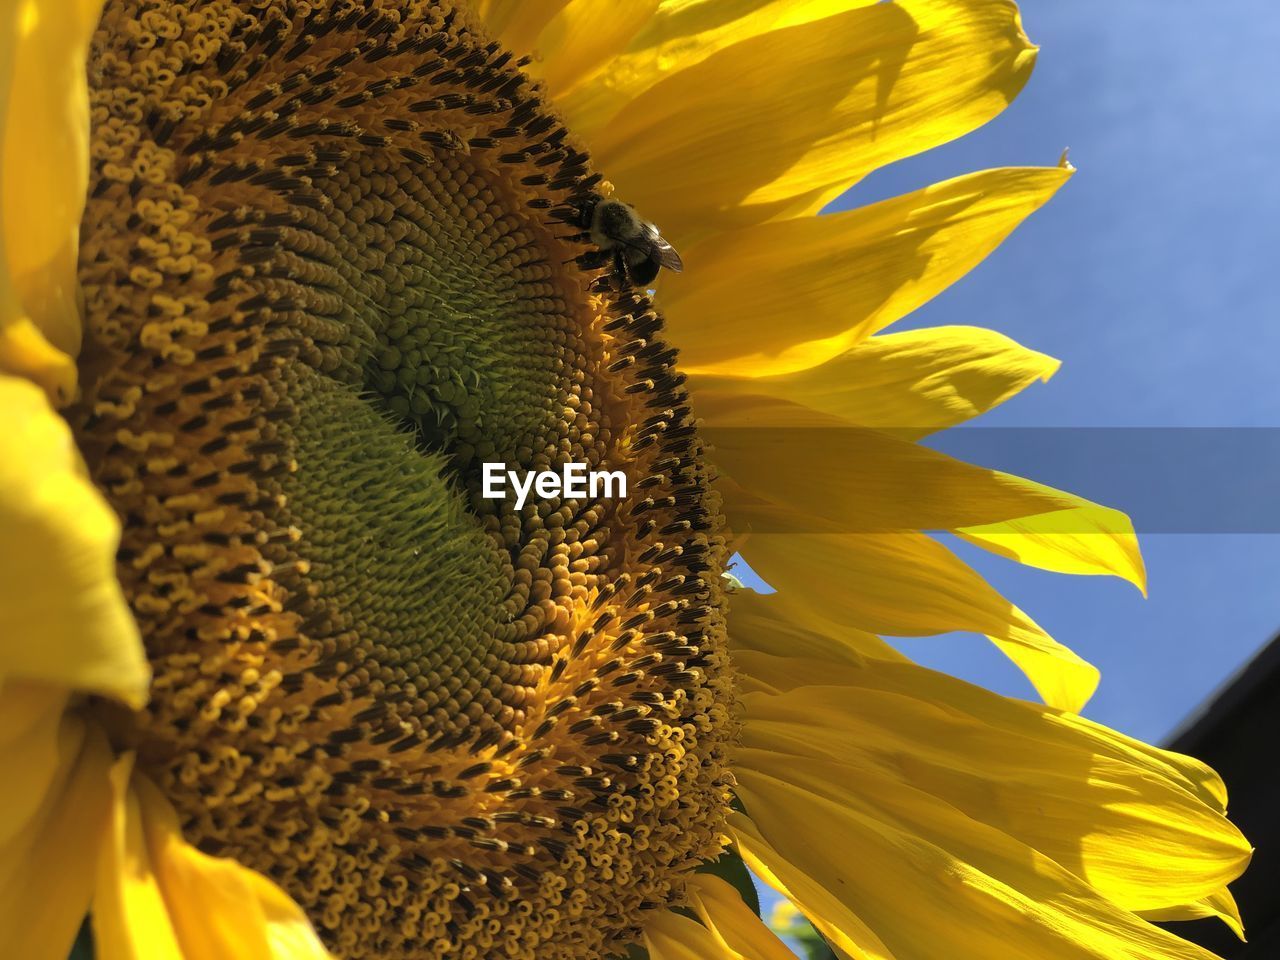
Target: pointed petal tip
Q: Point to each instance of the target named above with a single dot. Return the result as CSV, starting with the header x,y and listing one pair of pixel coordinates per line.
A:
x,y
1051,366
26,352
1030,49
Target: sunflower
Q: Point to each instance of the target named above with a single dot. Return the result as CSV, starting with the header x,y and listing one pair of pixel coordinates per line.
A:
x,y
280,682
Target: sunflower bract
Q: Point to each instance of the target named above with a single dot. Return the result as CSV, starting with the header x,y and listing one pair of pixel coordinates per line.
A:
x,y
326,276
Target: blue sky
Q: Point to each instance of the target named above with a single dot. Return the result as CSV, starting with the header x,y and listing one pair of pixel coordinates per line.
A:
x,y
1152,276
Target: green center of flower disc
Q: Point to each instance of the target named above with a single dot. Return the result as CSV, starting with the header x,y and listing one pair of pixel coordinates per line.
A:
x,y
327,277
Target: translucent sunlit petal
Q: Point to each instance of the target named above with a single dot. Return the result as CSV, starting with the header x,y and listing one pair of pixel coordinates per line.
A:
x,y
780,123
785,296
910,384
790,468
1220,904
1126,825
1089,540
779,453
680,35
1194,776
850,868
903,584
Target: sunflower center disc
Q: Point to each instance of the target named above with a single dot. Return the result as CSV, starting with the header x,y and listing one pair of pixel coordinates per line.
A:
x,y
326,277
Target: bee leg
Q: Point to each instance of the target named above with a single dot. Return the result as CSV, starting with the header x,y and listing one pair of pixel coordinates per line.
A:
x,y
593,259
620,272
615,279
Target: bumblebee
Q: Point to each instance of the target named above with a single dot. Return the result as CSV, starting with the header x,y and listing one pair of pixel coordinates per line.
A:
x,y
630,244
639,250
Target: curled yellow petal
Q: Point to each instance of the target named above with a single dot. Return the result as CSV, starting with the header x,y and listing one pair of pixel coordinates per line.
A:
x,y
44,127
62,613
53,809
910,384
158,897
1220,904
779,123
24,352
785,296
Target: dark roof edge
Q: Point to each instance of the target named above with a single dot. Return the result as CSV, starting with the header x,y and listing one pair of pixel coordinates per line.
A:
x,y
1243,687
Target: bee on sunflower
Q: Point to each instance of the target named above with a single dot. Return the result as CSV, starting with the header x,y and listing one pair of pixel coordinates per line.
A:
x,y
280,278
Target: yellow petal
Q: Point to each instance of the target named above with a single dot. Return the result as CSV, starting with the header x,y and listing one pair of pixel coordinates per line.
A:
x,y
1191,774
1220,904
1128,826
1092,540
731,922
787,462
584,36
44,166
30,725
780,297
910,384
779,123
979,897
906,584
130,918
24,352
669,936
62,614
790,468
53,809
679,35
158,897
774,623
517,23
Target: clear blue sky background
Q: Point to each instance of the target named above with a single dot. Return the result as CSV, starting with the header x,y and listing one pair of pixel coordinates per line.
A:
x,y
1153,277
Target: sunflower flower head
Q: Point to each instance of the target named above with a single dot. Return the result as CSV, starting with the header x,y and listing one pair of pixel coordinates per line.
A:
x,y
327,273
317,693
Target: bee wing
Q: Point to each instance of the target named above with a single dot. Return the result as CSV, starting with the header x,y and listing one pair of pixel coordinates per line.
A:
x,y
662,251
667,255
